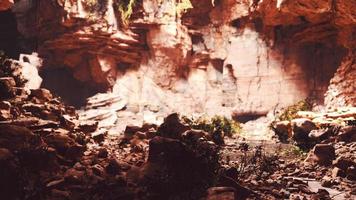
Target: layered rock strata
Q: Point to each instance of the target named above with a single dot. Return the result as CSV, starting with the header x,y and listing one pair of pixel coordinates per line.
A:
x,y
247,56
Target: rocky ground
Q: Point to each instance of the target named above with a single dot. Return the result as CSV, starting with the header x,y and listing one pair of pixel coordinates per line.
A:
x,y
48,151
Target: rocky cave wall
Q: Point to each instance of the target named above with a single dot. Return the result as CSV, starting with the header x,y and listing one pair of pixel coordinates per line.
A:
x,y
220,56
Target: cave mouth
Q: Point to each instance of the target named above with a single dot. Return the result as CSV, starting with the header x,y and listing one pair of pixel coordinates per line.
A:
x,y
62,83
246,117
9,34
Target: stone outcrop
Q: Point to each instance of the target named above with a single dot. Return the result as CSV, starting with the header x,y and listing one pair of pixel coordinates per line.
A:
x,y
342,87
6,4
216,57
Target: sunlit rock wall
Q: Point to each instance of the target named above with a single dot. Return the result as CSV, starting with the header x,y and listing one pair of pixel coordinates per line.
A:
x,y
217,58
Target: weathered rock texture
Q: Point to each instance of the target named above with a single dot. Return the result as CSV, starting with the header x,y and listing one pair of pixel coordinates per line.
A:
x,y
342,86
6,4
247,56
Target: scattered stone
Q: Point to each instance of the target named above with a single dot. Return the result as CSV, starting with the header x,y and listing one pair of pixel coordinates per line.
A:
x,y
326,181
347,134
221,193
115,166
323,154
344,163
351,173
42,94
320,134
337,172
103,153
88,126
99,136
130,131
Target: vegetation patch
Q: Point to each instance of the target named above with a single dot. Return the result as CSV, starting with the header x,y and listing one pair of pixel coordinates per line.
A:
x,y
124,7
290,112
255,161
216,124
294,151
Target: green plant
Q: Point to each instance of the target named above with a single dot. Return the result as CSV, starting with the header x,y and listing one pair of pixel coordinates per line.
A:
x,y
126,9
255,161
290,112
294,151
215,124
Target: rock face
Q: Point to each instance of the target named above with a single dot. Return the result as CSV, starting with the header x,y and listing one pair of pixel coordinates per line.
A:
x,y
342,85
6,4
216,57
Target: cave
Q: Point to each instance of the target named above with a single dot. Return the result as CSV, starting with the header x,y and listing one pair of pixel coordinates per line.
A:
x,y
9,34
183,99
63,84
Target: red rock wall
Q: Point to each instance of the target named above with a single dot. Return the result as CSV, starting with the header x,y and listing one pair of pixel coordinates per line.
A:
x,y
220,56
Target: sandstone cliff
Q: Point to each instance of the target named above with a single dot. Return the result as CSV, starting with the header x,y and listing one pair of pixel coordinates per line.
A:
x,y
248,56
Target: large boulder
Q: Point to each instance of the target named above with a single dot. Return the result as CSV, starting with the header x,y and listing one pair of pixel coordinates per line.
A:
x,y
182,168
15,137
283,130
172,127
347,134
221,193
301,129
323,154
7,87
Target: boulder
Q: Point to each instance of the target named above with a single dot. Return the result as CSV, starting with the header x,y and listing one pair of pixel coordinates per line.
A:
x,y
347,134
42,94
60,141
172,127
320,134
88,126
344,163
323,154
337,172
7,87
130,131
15,137
115,166
196,134
283,130
351,173
181,166
163,149
99,135
301,129
221,193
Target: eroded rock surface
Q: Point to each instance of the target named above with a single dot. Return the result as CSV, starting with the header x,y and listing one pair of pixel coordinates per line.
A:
x,y
213,58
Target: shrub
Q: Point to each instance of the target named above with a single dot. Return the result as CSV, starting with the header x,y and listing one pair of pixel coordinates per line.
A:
x,y
290,112
221,124
126,9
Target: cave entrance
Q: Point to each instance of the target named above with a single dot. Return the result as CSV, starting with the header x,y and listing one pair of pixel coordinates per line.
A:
x,y
62,83
9,34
